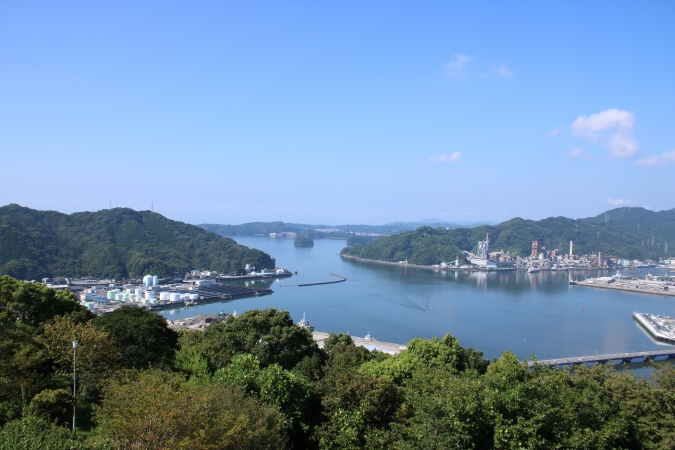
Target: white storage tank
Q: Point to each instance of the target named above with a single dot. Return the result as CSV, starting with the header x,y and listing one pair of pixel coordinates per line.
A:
x,y
174,297
90,305
153,301
149,294
119,297
155,280
164,296
147,281
146,301
194,296
138,292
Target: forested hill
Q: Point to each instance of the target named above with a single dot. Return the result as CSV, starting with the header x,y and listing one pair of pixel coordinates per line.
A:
x,y
618,236
113,243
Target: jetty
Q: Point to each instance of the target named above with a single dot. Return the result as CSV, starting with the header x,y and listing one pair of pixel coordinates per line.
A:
x,y
615,358
371,344
435,268
341,279
661,328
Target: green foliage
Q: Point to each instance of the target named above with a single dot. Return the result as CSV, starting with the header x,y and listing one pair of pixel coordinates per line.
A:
x,y
619,236
269,335
273,385
33,303
113,243
155,409
140,337
55,405
259,381
303,241
34,433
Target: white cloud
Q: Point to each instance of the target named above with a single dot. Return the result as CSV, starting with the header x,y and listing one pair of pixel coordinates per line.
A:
x,y
458,65
612,127
503,71
659,160
576,152
453,157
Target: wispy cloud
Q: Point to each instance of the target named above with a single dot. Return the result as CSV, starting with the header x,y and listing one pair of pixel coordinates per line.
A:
x,y
553,133
659,160
576,152
457,66
620,201
453,157
612,127
503,71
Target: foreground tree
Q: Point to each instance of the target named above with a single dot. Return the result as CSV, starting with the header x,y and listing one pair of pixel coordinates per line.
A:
x,y
140,337
155,409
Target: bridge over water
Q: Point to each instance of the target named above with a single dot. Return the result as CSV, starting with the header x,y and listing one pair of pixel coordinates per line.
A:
x,y
611,357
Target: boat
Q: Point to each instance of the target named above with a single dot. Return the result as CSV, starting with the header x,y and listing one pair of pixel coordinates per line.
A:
x,y
369,337
221,313
304,324
532,270
234,314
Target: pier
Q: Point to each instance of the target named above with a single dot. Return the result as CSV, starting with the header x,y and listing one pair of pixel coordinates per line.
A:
x,y
627,358
370,344
618,284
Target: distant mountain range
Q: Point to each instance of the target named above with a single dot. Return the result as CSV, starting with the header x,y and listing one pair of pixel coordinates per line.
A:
x,y
332,231
112,243
633,233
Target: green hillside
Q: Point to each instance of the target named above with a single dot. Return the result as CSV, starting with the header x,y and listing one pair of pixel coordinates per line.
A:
x,y
618,236
113,243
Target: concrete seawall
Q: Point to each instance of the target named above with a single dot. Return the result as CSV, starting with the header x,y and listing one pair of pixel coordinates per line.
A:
x,y
386,347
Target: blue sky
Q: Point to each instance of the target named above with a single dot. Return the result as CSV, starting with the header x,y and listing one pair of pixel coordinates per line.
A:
x,y
338,112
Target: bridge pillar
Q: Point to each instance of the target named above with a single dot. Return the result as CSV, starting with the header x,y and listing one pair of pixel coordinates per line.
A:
x,y
671,356
627,360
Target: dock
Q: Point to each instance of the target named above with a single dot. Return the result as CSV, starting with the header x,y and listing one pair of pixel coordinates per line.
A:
x,y
615,358
370,344
661,328
640,286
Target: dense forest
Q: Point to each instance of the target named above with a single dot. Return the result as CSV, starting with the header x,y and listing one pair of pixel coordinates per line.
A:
x,y
260,382
116,243
633,233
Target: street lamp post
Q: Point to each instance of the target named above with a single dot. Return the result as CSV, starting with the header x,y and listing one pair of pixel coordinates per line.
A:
x,y
74,383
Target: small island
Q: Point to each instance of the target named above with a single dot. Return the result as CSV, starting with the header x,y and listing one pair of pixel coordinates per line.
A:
x,y
303,241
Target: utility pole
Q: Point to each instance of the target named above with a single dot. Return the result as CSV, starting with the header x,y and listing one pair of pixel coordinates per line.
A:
x,y
74,384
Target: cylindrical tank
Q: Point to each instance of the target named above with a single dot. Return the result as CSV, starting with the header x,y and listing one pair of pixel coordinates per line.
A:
x,y
194,296
149,294
174,297
89,305
146,301
147,281
111,295
164,296
155,280
119,297
132,297
153,301
138,292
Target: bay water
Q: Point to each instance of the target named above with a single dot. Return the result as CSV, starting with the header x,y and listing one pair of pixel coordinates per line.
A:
x,y
529,314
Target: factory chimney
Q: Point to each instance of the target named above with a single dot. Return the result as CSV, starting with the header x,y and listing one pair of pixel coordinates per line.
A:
x,y
571,249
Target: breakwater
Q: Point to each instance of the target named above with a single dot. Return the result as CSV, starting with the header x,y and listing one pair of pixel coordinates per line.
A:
x,y
342,279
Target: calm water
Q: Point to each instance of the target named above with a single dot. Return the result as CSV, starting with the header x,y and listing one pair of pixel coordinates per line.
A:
x,y
526,313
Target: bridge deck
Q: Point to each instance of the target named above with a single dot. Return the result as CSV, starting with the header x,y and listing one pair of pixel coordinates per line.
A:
x,y
625,357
